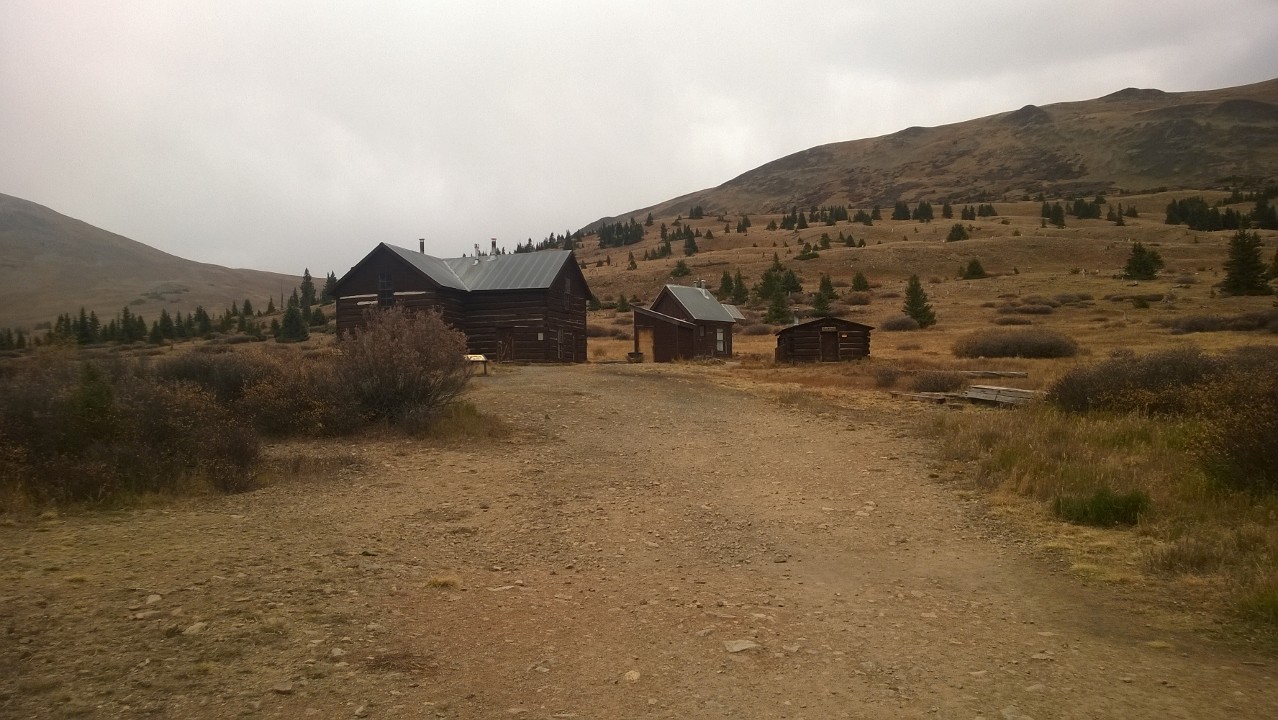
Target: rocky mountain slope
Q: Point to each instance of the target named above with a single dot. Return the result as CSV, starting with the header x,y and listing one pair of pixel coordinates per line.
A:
x,y
1132,140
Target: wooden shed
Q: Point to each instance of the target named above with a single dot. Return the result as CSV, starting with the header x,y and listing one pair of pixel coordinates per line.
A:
x,y
662,338
682,323
825,339
525,306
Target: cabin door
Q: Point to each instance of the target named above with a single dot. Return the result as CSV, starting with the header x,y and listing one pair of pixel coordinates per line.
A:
x,y
505,343
646,344
829,345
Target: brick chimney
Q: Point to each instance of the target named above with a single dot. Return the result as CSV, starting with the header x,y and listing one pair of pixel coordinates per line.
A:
x,y
421,245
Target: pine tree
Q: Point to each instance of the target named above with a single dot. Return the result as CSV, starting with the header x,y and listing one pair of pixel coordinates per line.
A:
x,y
1142,263
916,304
681,269
328,294
778,310
957,233
740,293
1244,270
826,287
973,271
689,245
623,305
307,289
630,262
270,306
860,283
821,304
725,286
293,327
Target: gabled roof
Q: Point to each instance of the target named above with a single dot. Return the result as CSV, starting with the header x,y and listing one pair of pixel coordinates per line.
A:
x,y
518,271
825,320
659,316
700,303
735,312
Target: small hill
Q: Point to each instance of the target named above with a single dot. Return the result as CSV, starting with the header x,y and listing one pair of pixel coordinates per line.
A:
x,y
51,264
1130,141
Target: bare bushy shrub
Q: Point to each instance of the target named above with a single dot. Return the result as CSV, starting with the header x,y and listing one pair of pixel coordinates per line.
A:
x,y
225,374
305,398
1032,343
1027,309
74,432
857,298
756,329
1126,382
1243,322
403,366
1012,320
1239,408
899,323
939,381
885,376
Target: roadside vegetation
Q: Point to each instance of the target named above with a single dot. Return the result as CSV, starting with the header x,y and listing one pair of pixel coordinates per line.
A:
x,y
1178,445
108,429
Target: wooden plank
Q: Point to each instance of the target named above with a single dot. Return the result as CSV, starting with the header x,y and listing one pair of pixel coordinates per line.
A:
x,y
994,373
1001,395
938,398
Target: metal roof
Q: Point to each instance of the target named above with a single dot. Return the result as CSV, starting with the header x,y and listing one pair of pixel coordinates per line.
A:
x,y
433,267
518,271
735,312
700,303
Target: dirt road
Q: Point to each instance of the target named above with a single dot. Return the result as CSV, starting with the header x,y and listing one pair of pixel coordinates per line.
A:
x,y
648,544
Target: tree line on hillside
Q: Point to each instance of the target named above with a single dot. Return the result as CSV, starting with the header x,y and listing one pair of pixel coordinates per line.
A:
x,y
301,312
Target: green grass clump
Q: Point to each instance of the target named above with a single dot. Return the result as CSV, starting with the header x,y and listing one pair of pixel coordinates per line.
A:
x,y
1103,508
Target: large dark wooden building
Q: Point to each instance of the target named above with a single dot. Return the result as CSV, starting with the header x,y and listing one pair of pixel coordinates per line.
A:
x,y
825,339
683,323
525,306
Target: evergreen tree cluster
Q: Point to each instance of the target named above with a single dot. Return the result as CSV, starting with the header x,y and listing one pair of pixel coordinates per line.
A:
x,y
1142,263
971,213
1198,215
1245,271
12,339
1054,213
620,234
777,280
795,220
864,217
696,213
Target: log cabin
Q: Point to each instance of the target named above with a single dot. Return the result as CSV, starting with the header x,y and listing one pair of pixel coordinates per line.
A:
x,y
516,307
825,339
683,323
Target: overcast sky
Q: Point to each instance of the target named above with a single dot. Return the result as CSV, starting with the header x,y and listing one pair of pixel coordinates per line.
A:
x,y
280,135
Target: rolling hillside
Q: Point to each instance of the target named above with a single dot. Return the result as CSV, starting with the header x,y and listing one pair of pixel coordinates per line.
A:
x,y
1131,141
51,264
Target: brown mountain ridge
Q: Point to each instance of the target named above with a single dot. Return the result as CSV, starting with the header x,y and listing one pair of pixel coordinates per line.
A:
x,y
52,264
1133,140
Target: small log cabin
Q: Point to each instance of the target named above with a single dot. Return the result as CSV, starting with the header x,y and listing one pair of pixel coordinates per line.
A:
x,y
683,323
825,339
525,306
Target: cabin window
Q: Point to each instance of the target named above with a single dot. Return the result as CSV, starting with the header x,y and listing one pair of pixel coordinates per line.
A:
x,y
718,340
541,337
567,294
385,290
701,330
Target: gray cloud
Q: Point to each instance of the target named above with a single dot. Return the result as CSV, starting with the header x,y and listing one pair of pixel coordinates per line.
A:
x,y
289,134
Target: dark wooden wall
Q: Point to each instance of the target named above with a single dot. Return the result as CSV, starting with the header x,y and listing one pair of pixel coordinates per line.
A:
x,y
803,344
670,341
537,325
704,337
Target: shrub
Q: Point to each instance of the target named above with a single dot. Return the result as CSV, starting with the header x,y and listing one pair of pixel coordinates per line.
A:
x,y
756,329
856,298
403,366
1153,382
899,323
225,374
886,376
1237,446
938,381
84,433
1103,508
1027,309
1033,343
1012,320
